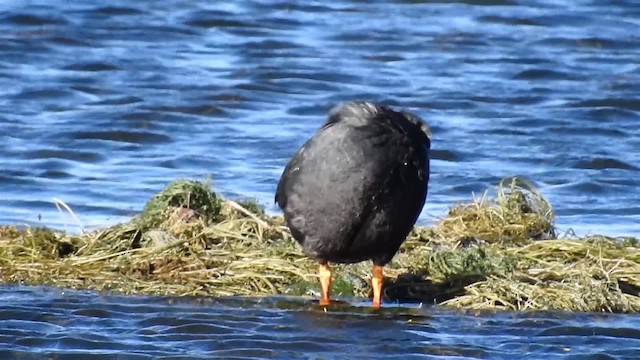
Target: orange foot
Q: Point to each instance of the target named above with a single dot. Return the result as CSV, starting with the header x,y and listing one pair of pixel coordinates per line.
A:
x,y
376,283
324,273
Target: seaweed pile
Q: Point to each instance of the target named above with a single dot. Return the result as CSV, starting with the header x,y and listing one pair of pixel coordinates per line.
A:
x,y
499,251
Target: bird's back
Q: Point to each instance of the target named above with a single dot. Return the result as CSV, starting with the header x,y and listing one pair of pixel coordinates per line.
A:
x,y
365,164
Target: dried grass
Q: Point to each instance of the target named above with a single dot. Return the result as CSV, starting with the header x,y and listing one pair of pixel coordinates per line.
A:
x,y
497,251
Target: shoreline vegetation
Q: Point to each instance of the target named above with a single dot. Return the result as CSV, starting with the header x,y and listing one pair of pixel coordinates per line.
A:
x,y
499,251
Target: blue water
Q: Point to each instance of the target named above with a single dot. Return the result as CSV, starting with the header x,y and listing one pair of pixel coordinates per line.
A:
x,y
44,323
102,104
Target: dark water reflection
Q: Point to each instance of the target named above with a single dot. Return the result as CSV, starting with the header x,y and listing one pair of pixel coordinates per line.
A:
x,y
103,104
39,323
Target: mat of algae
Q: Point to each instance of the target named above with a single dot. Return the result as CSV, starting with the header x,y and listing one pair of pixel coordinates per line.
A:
x,y
497,251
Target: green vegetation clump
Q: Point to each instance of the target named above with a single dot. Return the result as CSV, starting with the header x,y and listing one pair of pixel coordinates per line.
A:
x,y
180,198
516,214
496,252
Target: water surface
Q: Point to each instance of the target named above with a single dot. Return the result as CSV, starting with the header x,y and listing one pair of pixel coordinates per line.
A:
x,y
101,105
49,323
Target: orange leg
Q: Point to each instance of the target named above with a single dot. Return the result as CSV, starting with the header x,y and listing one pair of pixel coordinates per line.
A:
x,y
376,283
324,273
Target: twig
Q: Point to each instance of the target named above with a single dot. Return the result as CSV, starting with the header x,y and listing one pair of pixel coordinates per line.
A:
x,y
243,210
60,203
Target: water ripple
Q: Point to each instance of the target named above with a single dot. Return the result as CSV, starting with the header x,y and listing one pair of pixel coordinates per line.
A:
x,y
82,322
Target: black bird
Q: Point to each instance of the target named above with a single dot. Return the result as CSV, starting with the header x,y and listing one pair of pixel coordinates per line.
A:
x,y
354,191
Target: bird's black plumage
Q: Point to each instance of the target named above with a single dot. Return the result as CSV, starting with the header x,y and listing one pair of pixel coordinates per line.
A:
x,y
355,189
